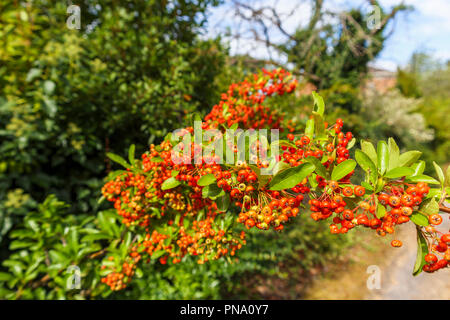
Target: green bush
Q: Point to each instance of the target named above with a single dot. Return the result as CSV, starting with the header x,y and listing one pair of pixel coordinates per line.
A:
x,y
132,73
50,242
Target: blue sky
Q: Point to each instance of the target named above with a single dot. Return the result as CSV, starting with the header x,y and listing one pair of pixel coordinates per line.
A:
x,y
427,28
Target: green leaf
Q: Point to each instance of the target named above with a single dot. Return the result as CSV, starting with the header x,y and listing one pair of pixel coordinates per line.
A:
x,y
206,180
382,157
399,172
343,169
131,152
289,178
309,130
5,276
367,186
422,251
280,166
285,143
421,178
319,125
17,244
320,168
212,191
177,219
318,102
439,173
368,148
367,165
351,143
418,167
429,207
96,236
170,184
156,159
408,158
394,154
158,254
447,177
223,203
118,159
381,211
419,219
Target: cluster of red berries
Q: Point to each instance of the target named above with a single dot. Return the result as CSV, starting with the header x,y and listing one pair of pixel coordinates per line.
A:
x,y
242,104
162,196
439,246
139,196
118,279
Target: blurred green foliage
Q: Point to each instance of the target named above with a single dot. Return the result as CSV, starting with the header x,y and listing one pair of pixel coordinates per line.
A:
x,y
131,74
428,80
50,246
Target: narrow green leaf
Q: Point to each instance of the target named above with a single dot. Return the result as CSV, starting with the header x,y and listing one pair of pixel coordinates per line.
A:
x,y
408,158
439,173
309,130
422,178
319,126
422,251
368,148
320,168
367,165
289,178
418,167
381,211
285,143
131,152
343,169
351,143
319,103
156,159
399,172
447,177
170,184
382,157
118,159
394,154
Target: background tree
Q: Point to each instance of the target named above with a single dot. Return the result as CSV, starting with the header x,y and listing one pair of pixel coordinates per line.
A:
x,y
131,73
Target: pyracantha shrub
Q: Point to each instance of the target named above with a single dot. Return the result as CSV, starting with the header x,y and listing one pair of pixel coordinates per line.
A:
x,y
182,198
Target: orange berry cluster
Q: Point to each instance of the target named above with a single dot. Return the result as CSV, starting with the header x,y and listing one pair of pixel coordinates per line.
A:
x,y
242,104
192,221
163,196
118,279
439,249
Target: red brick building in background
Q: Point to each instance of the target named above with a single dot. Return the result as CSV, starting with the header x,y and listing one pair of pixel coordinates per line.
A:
x,y
378,79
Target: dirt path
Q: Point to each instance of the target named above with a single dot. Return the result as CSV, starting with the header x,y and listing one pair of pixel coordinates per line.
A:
x,y
397,281
349,281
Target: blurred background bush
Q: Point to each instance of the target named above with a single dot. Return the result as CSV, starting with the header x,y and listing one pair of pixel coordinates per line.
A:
x,y
132,74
